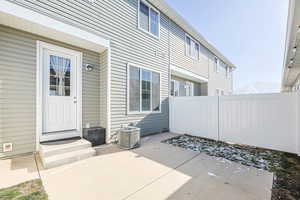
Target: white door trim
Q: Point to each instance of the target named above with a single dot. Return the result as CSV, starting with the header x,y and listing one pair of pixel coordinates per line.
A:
x,y
39,97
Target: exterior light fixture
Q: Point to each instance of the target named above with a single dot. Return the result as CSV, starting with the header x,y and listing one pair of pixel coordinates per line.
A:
x,y
294,49
89,67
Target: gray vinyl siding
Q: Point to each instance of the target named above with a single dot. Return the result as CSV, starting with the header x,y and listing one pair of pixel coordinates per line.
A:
x,y
91,90
18,89
117,21
17,67
178,55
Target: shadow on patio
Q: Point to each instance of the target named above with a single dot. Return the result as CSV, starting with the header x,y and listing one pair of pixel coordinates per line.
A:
x,y
155,171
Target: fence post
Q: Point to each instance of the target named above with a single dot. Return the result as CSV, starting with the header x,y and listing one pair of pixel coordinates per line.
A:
x,y
219,118
298,123
170,114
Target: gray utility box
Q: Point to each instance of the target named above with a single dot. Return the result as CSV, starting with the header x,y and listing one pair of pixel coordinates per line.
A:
x,y
129,137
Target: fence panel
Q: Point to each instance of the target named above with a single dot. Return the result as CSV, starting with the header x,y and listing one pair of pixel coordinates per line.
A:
x,y
265,120
197,116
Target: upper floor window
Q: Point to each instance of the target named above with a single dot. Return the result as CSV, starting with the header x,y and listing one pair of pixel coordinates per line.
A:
x,y
216,61
196,51
188,50
222,67
149,19
192,48
143,90
220,92
228,71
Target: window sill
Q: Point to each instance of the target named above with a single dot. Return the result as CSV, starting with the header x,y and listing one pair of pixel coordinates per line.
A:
x,y
144,113
151,34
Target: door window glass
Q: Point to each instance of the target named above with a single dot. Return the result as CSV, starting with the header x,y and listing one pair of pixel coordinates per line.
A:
x,y
60,76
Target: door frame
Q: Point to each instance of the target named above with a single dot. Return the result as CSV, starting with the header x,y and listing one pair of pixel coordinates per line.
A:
x,y
40,89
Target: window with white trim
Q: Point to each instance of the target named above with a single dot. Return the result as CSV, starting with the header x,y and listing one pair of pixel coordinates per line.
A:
x,y
189,88
175,88
220,92
149,18
196,52
192,48
185,88
228,71
216,61
222,67
143,90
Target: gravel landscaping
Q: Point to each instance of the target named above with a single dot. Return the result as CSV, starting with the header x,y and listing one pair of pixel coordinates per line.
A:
x,y
285,166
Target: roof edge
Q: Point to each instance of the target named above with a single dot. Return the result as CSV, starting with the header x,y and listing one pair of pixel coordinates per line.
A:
x,y
169,11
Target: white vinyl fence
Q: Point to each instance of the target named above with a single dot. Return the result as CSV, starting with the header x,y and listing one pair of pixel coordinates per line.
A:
x,y
265,120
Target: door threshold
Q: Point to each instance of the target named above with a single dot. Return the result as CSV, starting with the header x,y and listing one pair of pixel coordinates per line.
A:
x,y
60,140
58,136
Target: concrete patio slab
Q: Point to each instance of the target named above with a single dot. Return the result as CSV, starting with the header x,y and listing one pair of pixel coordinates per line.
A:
x,y
211,178
17,170
114,175
155,171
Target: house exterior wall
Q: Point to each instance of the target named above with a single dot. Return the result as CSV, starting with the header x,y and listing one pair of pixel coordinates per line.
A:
x,y
218,80
128,44
178,55
18,89
117,21
204,67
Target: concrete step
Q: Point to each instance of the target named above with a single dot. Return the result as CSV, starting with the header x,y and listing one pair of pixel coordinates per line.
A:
x,y
61,147
67,158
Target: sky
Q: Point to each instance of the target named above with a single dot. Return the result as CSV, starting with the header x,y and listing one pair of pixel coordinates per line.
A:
x,y
250,33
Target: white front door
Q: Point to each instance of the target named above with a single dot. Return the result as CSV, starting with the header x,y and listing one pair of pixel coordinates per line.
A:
x,y
60,101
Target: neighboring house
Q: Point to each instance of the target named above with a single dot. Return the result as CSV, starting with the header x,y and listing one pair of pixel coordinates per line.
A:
x,y
66,65
291,70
